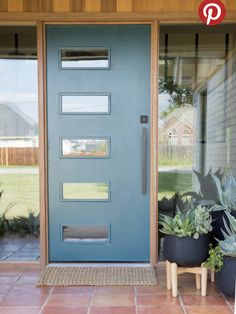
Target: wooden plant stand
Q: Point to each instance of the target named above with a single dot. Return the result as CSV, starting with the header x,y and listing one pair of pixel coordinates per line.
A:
x,y
172,272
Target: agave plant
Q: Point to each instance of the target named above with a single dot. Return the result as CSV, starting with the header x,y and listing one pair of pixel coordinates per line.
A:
x,y
229,227
208,190
226,194
193,223
228,246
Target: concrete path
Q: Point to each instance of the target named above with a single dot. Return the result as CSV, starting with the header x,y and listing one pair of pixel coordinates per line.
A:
x,y
19,170
173,169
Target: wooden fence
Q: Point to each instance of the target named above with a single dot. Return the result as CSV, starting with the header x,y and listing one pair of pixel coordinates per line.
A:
x,y
19,156
28,156
175,152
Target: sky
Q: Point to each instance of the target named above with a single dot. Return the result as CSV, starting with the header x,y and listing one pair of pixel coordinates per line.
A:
x,y
19,85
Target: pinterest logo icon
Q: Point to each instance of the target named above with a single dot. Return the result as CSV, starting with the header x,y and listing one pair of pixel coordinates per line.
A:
x,y
211,12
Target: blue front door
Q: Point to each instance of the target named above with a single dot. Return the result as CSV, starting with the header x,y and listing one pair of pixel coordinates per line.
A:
x,y
98,104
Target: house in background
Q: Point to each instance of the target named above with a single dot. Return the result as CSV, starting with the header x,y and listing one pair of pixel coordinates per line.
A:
x,y
177,127
18,137
15,123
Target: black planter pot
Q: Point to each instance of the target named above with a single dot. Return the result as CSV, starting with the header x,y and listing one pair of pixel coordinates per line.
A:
x,y
166,206
186,251
218,224
225,279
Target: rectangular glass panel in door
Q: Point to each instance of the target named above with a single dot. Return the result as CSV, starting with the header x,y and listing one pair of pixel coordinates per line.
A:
x,y
79,57
84,191
98,156
85,148
85,104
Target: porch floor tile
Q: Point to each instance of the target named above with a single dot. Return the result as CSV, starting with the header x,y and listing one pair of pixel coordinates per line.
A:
x,y
206,309
68,300
113,310
164,309
64,310
19,310
18,295
113,299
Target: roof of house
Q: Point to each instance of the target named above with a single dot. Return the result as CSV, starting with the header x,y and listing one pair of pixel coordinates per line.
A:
x,y
19,112
184,115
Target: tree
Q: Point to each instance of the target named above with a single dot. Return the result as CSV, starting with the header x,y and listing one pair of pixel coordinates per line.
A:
x,y
179,95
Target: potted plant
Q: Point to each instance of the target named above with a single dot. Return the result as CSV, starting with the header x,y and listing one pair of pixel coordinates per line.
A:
x,y
187,240
168,207
225,204
222,259
218,194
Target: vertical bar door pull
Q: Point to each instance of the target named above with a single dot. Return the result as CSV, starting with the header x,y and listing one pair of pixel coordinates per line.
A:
x,y
144,161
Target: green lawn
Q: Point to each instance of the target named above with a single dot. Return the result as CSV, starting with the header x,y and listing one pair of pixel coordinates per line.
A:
x,y
21,189
169,183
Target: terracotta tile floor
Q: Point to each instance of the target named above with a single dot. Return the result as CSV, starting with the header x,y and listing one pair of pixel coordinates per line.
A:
x,y
18,294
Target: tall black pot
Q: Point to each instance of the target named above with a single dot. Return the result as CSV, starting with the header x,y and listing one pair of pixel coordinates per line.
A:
x,y
225,279
218,225
186,251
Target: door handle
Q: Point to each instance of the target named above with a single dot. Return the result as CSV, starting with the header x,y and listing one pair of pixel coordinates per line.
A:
x,y
144,161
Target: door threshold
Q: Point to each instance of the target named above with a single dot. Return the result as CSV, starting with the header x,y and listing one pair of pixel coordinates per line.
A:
x,y
81,264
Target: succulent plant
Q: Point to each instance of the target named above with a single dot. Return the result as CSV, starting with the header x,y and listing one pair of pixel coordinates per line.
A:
x,y
202,220
230,227
208,190
228,246
226,194
193,223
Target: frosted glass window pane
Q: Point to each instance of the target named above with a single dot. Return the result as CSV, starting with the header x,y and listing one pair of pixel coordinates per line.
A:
x,y
85,104
90,233
86,191
85,148
84,58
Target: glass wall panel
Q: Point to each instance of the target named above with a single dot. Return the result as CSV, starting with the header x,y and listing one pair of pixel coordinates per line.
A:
x,y
197,113
19,204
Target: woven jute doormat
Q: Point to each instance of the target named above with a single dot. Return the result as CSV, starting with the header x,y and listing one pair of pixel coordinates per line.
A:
x,y
97,276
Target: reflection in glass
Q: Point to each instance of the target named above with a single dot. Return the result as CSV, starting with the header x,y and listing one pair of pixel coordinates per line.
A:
x,y
86,191
84,58
19,145
90,233
85,104
197,121
85,147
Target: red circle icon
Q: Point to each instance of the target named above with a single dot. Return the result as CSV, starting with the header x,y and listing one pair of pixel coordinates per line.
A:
x,y
212,12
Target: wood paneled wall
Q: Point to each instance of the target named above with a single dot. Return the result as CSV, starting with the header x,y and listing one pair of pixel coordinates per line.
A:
x,y
59,6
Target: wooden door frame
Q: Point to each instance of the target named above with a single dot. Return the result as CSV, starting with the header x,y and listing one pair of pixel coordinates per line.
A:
x,y
42,89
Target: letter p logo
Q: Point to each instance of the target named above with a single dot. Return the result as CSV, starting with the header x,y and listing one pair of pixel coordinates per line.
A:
x,y
211,12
